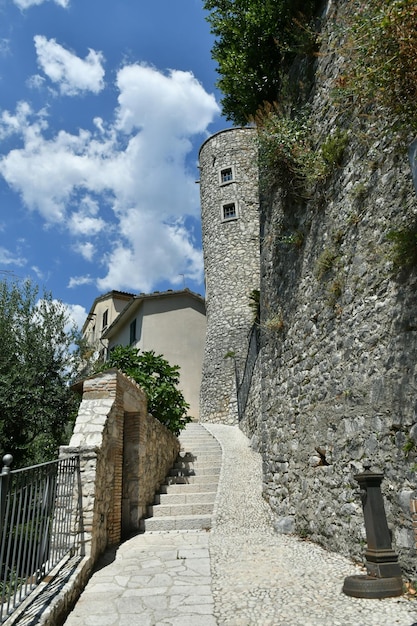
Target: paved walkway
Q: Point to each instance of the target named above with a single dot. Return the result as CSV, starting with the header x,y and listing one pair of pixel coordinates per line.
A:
x,y
240,573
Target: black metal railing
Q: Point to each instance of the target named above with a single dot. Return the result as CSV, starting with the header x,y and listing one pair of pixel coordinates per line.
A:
x,y
243,386
38,515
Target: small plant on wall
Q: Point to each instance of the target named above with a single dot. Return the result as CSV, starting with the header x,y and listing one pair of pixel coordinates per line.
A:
x,y
403,252
295,239
325,262
286,149
333,149
334,291
275,323
254,304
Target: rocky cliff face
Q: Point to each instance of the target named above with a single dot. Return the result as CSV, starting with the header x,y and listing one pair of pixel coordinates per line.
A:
x,y
339,329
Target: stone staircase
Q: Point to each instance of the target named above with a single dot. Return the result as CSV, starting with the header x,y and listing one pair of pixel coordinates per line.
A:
x,y
186,500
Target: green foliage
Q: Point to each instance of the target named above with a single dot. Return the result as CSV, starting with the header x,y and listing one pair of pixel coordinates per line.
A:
x,y
158,379
333,148
286,150
409,446
294,239
359,192
325,262
334,291
404,249
36,365
381,48
256,40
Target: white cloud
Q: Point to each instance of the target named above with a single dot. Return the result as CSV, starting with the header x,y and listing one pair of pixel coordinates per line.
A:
x,y
35,82
10,258
87,250
76,281
135,169
77,315
72,74
175,103
85,221
25,4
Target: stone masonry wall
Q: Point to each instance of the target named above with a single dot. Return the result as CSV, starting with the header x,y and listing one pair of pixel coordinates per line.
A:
x,y
231,260
339,371
125,454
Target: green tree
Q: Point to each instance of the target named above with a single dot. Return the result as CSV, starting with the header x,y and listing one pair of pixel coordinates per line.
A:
x,y
158,379
256,40
37,361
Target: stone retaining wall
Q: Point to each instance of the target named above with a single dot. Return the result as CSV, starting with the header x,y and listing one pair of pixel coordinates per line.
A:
x,y
125,454
338,372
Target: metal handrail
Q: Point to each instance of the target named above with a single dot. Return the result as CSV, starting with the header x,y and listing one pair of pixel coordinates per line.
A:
x,y
243,386
39,515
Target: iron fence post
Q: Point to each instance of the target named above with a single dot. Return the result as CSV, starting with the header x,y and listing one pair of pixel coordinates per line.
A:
x,y
4,487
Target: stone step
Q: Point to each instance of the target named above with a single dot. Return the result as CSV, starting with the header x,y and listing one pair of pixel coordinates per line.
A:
x,y
185,522
178,479
199,461
198,437
189,488
202,445
178,510
195,471
185,497
193,480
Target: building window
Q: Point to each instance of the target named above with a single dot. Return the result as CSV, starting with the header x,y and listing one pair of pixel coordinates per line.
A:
x,y
227,175
132,332
105,319
229,212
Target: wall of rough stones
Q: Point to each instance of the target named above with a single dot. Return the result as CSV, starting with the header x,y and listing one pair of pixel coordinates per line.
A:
x,y
125,454
339,371
231,261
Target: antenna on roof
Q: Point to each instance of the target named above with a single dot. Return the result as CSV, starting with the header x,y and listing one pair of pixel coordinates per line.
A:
x,y
183,280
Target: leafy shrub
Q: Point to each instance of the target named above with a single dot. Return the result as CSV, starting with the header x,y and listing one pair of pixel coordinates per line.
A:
x,y
158,379
256,42
37,363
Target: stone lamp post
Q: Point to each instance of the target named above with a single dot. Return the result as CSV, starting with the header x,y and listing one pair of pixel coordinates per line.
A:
x,y
383,578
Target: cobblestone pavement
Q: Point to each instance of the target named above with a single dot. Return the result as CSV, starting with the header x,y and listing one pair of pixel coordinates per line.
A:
x,y
239,574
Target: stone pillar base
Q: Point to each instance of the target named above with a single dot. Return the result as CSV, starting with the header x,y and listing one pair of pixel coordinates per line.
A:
x,y
371,587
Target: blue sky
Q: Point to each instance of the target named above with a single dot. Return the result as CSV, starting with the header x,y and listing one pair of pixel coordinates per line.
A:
x,y
103,107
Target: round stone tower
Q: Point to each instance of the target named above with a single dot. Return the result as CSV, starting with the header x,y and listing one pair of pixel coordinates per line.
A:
x,y
230,227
